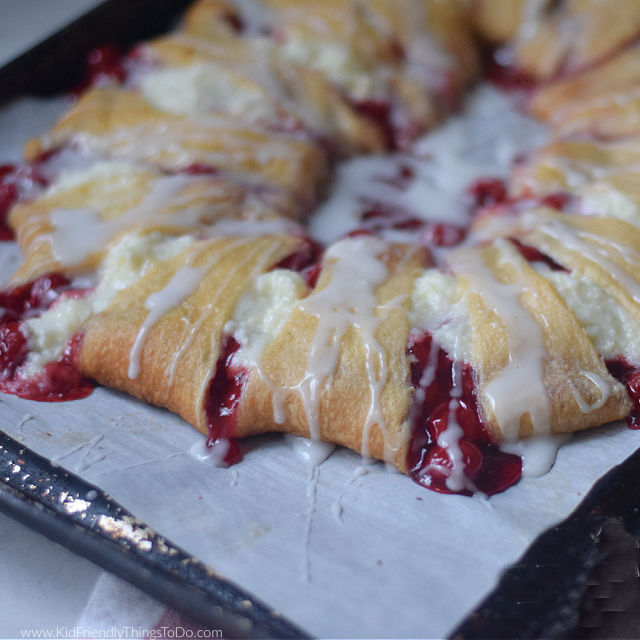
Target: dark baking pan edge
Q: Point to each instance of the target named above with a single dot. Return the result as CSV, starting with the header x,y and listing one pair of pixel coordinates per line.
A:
x,y
577,580
82,518
57,63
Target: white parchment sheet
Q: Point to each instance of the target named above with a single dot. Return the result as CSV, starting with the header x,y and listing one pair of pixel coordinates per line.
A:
x,y
342,550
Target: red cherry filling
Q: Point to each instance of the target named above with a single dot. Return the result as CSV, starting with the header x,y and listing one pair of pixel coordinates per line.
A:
x,y
379,219
57,381
234,20
306,261
8,197
225,392
559,201
30,299
445,392
16,181
13,349
378,112
104,64
507,77
628,375
487,192
531,254
200,169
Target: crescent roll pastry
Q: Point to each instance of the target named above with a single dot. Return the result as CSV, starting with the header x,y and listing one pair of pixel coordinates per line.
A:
x,y
548,39
280,330
498,21
601,102
115,197
221,19
335,369
161,338
197,76
164,255
602,178
393,65
117,123
533,374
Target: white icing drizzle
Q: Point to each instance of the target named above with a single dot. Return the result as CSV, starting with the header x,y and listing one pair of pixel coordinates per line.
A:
x,y
519,388
428,374
182,284
336,507
445,163
266,260
449,439
604,389
575,240
312,494
200,451
348,300
216,140
78,233
186,342
538,453
314,452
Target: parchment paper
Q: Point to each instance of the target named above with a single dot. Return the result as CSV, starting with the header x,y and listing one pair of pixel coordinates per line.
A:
x,y
343,550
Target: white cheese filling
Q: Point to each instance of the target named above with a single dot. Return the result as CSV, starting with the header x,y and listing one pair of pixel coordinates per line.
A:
x,y
201,88
76,175
128,261
439,307
604,200
262,312
335,61
611,328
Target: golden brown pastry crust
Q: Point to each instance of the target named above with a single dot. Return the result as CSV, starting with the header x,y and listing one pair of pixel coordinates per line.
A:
x,y
600,101
122,124
552,39
566,351
345,396
497,21
122,199
297,96
193,328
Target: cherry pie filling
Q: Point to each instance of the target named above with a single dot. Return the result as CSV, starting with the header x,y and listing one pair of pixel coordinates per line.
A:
x,y
446,398
228,383
306,260
223,403
103,65
508,76
18,181
56,381
628,374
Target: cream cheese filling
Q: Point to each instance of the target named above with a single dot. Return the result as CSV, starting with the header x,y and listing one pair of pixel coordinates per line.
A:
x,y
126,263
